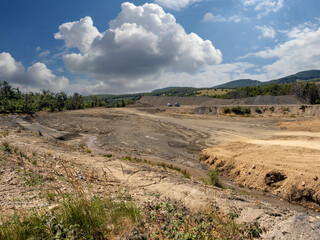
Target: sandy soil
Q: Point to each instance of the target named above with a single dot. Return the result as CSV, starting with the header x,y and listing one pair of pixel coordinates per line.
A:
x,y
245,149
303,126
292,154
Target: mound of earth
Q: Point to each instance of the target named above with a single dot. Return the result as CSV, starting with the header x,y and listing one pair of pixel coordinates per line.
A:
x,y
156,101
286,164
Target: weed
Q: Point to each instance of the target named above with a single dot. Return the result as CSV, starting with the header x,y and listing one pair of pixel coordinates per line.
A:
x,y
108,155
163,165
254,230
272,109
213,178
85,149
244,192
303,108
6,147
233,213
226,110
168,220
22,155
97,217
285,109
153,194
77,218
258,110
33,179
24,227
241,110
15,150
5,134
50,196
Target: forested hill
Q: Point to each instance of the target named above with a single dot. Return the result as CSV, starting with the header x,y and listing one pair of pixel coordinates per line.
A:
x,y
240,83
298,77
313,75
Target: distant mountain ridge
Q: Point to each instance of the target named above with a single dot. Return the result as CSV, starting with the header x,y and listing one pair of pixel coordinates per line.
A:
x,y
298,77
240,83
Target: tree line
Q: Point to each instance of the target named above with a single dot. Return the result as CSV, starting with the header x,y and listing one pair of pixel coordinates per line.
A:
x,y
309,91
13,100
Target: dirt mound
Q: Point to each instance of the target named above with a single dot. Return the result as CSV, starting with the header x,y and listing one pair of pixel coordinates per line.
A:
x,y
273,100
282,166
163,101
156,101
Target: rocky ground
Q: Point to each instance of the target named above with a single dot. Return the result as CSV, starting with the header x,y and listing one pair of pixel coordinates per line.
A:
x,y
96,147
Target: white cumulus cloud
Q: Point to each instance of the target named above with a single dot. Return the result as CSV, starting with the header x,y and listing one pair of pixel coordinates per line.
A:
x,y
176,4
79,34
267,32
299,53
142,42
37,77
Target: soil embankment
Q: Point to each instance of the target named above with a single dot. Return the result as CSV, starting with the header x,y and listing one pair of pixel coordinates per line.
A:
x,y
207,101
260,106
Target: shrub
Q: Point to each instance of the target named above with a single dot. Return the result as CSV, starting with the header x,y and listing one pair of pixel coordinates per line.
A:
x,y
226,110
303,108
258,110
6,147
169,220
213,178
241,110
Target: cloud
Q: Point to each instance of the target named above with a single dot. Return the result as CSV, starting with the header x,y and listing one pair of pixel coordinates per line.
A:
x,y
264,6
79,34
299,53
141,43
209,17
37,77
44,54
38,49
267,32
176,4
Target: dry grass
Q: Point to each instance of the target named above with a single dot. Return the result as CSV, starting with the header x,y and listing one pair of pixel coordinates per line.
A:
x,y
212,92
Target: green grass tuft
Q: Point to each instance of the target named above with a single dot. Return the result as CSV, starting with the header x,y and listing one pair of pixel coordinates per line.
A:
x,y
77,218
6,147
213,178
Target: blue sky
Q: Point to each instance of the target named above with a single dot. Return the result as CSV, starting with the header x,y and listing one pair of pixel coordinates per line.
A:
x,y
122,47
